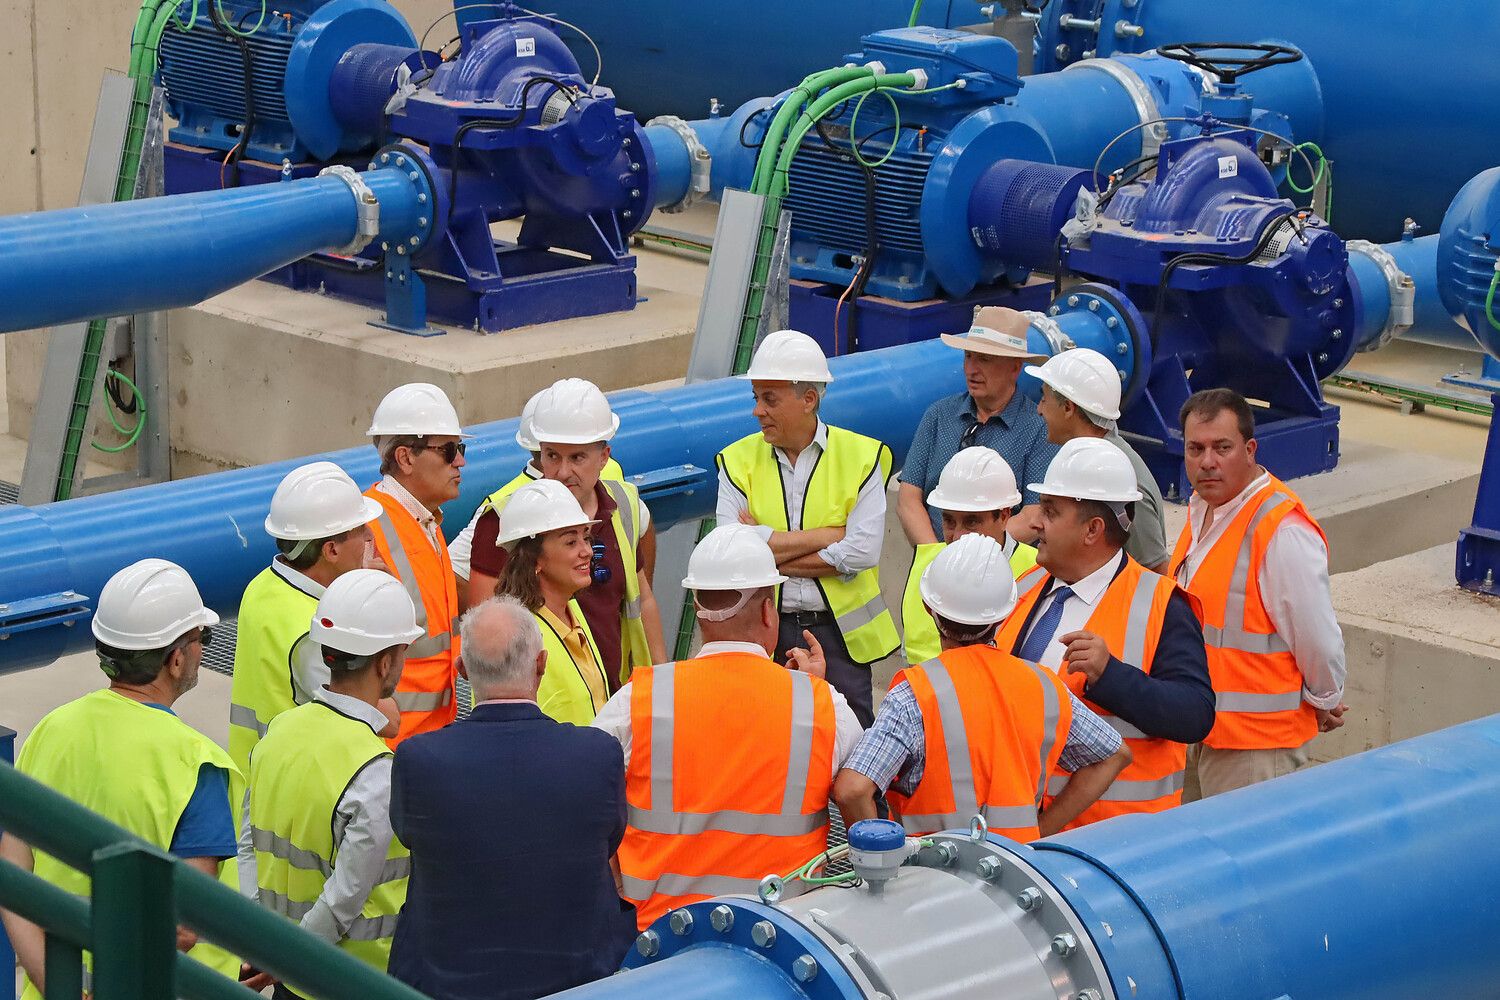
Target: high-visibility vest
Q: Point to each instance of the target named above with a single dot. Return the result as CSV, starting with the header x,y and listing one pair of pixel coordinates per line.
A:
x,y
571,691
845,465
1128,618
731,765
292,817
136,766
426,692
994,727
920,639
1257,685
274,614
627,527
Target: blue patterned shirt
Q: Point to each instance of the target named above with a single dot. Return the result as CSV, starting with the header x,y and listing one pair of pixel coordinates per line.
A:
x,y
893,750
1017,432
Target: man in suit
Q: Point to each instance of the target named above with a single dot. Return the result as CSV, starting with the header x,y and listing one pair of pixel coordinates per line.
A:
x,y
511,819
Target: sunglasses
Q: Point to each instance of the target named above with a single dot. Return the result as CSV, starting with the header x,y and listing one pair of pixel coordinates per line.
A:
x,y
450,451
970,433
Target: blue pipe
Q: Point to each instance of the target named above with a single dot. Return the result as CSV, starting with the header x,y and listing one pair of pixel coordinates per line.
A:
x,y
164,253
211,525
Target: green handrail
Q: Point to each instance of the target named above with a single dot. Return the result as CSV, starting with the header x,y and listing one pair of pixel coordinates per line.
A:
x,y
58,826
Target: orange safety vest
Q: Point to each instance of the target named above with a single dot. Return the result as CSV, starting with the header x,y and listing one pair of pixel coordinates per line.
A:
x,y
426,694
731,766
1129,619
994,727
1257,685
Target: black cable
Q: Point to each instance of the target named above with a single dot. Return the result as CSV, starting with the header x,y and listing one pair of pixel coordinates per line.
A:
x,y
237,153
746,123
112,389
502,123
1205,257
861,277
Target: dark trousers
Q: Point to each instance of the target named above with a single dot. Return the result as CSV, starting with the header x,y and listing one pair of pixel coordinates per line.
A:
x,y
850,679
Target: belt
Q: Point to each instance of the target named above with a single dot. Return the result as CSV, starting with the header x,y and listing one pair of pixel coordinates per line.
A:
x,y
806,619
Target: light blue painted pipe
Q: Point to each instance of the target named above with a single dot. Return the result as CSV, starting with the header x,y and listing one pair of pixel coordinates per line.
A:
x,y
131,257
212,525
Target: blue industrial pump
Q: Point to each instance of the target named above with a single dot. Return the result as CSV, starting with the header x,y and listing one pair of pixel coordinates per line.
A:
x,y
511,127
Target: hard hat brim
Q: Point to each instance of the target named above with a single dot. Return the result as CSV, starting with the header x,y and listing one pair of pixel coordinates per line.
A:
x,y
1041,375
1104,496
372,512
514,537
775,580
963,343
935,499
544,438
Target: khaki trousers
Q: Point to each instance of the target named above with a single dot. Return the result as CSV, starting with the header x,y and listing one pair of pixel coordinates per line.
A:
x,y
1213,772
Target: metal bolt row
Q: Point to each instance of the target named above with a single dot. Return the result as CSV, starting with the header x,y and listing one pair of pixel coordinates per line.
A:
x,y
721,918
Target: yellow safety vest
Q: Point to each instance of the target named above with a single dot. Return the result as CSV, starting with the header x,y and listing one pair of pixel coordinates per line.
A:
x,y
570,691
920,641
847,462
634,652
136,766
291,822
274,614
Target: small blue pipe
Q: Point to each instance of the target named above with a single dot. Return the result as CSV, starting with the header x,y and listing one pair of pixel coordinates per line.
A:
x,y
212,525
164,253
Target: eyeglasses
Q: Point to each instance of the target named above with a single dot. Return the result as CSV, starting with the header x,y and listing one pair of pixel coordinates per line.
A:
x,y
450,451
599,569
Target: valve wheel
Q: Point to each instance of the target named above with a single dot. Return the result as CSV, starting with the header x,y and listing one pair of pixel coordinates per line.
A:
x,y
1230,60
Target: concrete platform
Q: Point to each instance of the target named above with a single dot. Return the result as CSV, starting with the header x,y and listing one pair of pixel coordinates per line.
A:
x,y
1423,654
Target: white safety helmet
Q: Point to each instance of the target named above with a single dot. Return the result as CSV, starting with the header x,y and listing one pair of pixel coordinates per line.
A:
x,y
789,356
573,411
363,612
976,479
732,557
317,500
1089,469
1085,378
524,437
149,605
419,409
970,582
537,508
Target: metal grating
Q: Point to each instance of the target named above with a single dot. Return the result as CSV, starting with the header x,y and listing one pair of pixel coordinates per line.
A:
x,y
826,196
9,493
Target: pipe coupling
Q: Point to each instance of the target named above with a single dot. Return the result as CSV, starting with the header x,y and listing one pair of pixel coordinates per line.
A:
x,y
1403,292
698,155
368,225
1153,130
1049,328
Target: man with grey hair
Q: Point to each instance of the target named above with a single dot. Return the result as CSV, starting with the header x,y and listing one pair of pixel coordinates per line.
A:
x,y
511,819
1081,399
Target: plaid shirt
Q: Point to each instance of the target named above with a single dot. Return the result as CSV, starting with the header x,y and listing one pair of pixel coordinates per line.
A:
x,y
894,749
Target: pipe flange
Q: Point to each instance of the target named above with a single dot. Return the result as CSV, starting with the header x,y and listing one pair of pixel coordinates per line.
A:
x,y
368,226
1153,132
1048,328
1403,292
701,159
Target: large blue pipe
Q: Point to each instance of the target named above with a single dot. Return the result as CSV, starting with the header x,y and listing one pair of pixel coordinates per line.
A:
x,y
1371,878
130,257
212,525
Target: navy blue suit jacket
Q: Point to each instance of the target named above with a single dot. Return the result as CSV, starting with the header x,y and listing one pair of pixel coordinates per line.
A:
x,y
1175,701
511,819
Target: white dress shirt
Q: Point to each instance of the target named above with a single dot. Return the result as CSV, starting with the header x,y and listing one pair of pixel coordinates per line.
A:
x,y
361,833
1293,585
1080,607
864,531
428,521
614,717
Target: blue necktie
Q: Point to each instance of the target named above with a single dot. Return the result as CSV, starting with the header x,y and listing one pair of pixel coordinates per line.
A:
x,y
1045,629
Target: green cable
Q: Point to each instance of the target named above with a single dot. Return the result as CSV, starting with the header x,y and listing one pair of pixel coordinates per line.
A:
x,y
1317,178
229,25
192,20
854,122
1489,300
132,433
916,12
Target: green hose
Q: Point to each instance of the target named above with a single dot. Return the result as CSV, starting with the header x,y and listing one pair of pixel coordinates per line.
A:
x,y
132,434
916,12
1489,300
1317,177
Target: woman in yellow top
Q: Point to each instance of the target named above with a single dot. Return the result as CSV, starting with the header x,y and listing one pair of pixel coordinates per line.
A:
x,y
550,547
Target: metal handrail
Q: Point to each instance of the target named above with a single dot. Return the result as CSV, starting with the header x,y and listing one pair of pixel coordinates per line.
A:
x,y
55,824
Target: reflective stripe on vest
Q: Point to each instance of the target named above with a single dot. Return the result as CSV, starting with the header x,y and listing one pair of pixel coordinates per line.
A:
x,y
428,645
423,701
1233,634
672,884
245,718
1242,701
662,818
1127,791
360,928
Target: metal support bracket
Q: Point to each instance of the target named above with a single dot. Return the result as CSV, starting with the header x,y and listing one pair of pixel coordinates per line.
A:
x,y
42,611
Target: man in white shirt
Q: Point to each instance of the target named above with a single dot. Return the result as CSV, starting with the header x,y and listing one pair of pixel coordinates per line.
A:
x,y
816,495
1258,562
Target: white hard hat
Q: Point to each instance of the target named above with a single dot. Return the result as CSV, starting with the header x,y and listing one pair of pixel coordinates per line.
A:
x,y
789,356
524,436
149,605
1084,377
970,582
363,612
317,500
732,557
976,479
537,508
573,411
418,408
1089,469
